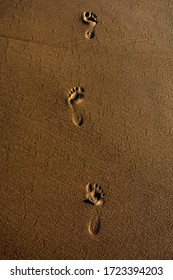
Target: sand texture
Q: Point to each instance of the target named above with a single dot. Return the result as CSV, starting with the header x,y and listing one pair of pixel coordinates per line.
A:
x,y
86,129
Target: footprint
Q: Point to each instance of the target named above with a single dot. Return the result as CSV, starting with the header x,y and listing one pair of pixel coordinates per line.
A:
x,y
94,196
91,19
74,97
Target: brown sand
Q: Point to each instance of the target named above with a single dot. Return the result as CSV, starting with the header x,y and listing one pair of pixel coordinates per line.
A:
x,y
125,143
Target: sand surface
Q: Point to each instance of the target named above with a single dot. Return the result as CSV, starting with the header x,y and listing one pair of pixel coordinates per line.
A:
x,y
88,177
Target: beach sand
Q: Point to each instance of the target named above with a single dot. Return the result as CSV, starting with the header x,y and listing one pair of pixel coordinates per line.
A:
x,y
86,175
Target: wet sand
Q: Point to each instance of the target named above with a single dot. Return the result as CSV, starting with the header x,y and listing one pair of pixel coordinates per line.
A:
x,y
87,172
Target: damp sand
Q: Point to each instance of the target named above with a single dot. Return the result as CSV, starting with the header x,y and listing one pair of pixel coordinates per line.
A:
x,y
118,135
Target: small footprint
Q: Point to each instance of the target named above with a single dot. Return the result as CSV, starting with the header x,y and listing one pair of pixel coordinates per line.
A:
x,y
94,196
91,19
74,97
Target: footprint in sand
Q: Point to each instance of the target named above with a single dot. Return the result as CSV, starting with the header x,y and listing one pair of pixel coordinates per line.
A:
x,y
94,196
74,97
91,19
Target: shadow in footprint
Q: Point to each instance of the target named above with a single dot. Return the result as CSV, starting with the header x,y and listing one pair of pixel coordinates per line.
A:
x,y
90,19
74,97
